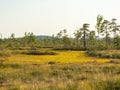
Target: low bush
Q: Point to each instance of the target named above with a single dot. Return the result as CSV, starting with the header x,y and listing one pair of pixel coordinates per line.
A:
x,y
3,56
51,62
4,53
36,52
69,48
115,61
105,54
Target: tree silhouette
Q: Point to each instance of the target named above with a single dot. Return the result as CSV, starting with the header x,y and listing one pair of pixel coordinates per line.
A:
x,y
77,35
84,30
115,29
99,24
105,30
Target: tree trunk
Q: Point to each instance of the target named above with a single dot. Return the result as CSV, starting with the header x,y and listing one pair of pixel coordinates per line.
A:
x,y
84,40
106,37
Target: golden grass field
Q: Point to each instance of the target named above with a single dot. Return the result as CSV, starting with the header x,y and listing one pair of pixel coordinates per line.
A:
x,y
72,70
61,57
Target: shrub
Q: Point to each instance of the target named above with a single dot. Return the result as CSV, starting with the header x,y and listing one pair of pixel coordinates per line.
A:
x,y
115,61
105,54
51,62
4,53
36,52
3,56
54,73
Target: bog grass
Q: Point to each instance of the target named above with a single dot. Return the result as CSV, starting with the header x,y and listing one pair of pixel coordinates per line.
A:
x,y
67,70
75,76
60,57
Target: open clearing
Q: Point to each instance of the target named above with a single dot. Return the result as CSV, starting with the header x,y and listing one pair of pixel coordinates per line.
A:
x,y
61,57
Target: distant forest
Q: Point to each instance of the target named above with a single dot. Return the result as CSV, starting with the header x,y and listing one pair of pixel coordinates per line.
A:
x,y
104,36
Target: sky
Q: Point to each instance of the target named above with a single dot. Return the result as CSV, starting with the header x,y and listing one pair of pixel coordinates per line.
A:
x,y
48,17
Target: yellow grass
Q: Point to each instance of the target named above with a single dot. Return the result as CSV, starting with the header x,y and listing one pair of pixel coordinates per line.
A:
x,y
62,57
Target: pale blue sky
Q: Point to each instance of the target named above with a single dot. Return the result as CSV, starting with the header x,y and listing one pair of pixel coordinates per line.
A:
x,y
47,17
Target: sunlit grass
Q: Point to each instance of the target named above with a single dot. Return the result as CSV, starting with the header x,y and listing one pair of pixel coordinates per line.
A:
x,y
81,76
61,57
70,72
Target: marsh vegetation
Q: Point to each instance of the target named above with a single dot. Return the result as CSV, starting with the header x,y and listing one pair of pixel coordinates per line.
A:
x,y
75,76
89,61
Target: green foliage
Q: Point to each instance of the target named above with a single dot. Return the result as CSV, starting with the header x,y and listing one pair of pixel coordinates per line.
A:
x,y
105,54
105,36
37,52
99,24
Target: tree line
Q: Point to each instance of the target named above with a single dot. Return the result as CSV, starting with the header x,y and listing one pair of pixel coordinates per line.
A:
x,y
104,36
